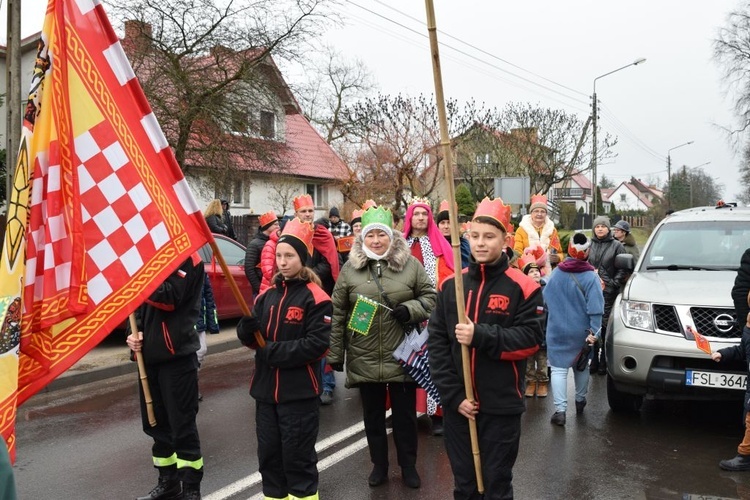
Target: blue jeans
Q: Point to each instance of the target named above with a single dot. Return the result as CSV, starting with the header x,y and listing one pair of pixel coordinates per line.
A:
x,y
559,386
329,379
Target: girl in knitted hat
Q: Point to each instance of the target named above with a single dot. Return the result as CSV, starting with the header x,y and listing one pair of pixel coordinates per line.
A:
x,y
294,318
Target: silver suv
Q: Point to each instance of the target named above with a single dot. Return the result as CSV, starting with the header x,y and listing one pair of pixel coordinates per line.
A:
x,y
683,278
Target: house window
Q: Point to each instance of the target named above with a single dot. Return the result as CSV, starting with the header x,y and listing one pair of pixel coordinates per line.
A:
x,y
237,193
483,158
622,197
267,124
319,194
239,121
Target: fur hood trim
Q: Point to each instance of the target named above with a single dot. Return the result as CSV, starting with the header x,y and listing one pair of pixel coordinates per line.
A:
x,y
396,258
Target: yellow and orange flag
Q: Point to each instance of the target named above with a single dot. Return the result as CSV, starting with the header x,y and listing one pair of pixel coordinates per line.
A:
x,y
701,342
100,213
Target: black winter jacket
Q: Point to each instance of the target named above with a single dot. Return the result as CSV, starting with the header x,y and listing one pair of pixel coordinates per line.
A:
x,y
168,317
739,352
295,318
216,224
602,257
507,310
741,289
252,260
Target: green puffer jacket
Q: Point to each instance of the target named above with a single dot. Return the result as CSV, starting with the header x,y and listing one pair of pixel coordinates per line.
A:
x,y
369,358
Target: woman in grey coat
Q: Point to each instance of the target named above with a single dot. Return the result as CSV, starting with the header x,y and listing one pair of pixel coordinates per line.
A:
x,y
380,259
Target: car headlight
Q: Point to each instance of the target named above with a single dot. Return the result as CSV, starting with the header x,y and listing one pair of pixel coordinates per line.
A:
x,y
637,315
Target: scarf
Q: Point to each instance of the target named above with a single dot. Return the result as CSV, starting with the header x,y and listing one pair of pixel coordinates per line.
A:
x,y
535,236
438,244
572,265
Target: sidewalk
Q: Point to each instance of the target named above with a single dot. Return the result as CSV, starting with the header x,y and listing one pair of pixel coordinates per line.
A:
x,y
111,358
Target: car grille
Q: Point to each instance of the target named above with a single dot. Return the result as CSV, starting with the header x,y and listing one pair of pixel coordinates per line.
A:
x,y
704,322
666,318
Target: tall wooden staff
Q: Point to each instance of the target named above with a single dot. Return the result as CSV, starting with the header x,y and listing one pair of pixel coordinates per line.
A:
x,y
455,237
143,377
134,328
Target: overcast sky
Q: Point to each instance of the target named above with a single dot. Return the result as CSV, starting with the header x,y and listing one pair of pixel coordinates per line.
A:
x,y
548,52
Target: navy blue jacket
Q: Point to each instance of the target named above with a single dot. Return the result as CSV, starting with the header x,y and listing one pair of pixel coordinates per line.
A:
x,y
168,317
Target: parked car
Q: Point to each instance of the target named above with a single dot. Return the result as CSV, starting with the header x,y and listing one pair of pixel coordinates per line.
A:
x,y
683,277
234,255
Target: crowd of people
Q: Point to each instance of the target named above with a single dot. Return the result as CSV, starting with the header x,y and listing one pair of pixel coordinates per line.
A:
x,y
335,296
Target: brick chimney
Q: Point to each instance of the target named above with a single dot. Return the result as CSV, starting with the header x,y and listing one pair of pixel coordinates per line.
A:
x,y
137,36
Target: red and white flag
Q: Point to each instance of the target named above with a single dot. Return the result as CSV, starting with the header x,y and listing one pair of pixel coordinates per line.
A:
x,y
100,213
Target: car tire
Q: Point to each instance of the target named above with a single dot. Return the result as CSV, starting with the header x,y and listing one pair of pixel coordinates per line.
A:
x,y
622,402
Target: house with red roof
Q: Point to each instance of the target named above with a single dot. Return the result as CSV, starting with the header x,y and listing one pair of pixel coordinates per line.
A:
x,y
634,195
576,190
255,148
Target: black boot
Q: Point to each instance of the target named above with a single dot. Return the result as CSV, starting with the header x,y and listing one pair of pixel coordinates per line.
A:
x,y
168,488
411,477
378,476
191,491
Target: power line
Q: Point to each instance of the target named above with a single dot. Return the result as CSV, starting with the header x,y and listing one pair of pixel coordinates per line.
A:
x,y
485,52
466,54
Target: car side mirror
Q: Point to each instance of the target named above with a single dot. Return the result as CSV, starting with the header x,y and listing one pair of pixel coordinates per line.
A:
x,y
625,261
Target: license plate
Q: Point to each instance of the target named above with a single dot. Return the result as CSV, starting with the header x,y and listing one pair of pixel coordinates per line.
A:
x,y
716,379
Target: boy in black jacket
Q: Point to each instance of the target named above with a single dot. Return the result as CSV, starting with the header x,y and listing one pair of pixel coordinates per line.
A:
x,y
167,340
505,310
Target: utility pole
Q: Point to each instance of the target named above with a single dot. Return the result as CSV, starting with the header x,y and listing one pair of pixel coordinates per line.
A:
x,y
13,93
669,172
594,113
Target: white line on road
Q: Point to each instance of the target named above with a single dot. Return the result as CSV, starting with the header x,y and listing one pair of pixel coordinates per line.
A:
x,y
253,479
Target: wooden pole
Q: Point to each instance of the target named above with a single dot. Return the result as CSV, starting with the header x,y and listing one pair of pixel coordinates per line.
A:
x,y
455,236
143,377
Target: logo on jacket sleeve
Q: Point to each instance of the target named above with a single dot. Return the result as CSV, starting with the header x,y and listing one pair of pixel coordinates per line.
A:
x,y
497,304
294,315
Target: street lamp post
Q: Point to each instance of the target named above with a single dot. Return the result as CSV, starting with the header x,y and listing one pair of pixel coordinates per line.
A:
x,y
594,120
686,169
669,173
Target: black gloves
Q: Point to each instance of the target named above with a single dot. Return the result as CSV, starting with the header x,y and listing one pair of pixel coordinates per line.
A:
x,y
337,367
246,329
261,354
401,313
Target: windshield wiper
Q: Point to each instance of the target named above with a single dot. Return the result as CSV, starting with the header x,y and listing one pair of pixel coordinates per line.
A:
x,y
680,267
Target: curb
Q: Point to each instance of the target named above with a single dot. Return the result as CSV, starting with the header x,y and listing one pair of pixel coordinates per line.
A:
x,y
72,379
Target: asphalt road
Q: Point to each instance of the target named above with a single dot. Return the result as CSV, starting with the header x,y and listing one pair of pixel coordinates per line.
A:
x,y
86,442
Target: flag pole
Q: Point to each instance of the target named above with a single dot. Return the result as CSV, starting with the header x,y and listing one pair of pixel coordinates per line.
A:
x,y
455,237
235,289
143,377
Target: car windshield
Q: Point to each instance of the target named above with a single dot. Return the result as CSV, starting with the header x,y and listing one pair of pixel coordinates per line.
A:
x,y
714,245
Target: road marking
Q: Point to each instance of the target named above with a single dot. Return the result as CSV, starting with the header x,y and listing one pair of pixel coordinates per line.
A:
x,y
254,478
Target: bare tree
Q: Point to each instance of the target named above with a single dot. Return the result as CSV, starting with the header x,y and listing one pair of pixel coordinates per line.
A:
x,y
732,54
282,191
334,83
401,137
206,70
549,145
